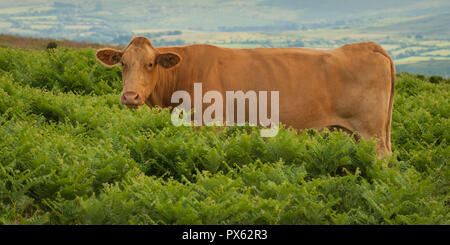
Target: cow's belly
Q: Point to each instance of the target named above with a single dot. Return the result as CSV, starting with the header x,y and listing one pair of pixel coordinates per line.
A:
x,y
300,104
304,99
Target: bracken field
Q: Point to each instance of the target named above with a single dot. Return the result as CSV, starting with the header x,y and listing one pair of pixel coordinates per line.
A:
x,y
71,154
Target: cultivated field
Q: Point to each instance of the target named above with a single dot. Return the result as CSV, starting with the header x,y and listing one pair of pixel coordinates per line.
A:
x,y
71,154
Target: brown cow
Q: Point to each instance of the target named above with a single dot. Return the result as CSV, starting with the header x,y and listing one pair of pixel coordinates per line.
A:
x,y
351,87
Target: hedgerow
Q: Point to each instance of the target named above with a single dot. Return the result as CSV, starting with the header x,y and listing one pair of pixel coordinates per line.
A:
x,y
71,154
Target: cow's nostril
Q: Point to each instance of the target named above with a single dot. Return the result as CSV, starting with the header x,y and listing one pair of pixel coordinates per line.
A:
x,y
131,98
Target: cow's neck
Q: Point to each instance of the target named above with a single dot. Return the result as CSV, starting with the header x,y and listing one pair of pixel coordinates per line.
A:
x,y
164,88
181,77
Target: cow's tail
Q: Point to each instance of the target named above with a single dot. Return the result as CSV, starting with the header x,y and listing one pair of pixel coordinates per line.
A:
x,y
391,99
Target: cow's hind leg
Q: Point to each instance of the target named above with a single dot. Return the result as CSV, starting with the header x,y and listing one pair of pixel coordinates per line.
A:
x,y
365,134
373,129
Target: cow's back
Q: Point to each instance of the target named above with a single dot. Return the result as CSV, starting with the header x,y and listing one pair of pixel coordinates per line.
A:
x,y
275,68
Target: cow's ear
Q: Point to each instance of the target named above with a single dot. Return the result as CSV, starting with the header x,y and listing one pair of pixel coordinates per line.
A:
x,y
109,57
168,60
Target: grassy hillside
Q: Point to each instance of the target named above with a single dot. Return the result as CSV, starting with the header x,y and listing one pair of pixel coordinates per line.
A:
x,y
41,43
71,154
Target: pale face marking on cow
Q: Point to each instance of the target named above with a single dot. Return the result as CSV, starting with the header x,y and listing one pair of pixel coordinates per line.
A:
x,y
140,62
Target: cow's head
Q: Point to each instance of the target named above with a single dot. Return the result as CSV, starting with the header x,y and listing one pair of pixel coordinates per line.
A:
x,y
140,62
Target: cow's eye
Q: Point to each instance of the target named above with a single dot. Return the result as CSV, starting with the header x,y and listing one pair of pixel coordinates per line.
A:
x,y
123,64
150,64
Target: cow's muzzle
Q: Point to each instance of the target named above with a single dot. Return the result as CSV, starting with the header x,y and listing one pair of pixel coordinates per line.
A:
x,y
131,99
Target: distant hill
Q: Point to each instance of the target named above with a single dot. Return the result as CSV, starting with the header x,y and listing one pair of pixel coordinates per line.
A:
x,y
104,20
436,26
429,67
